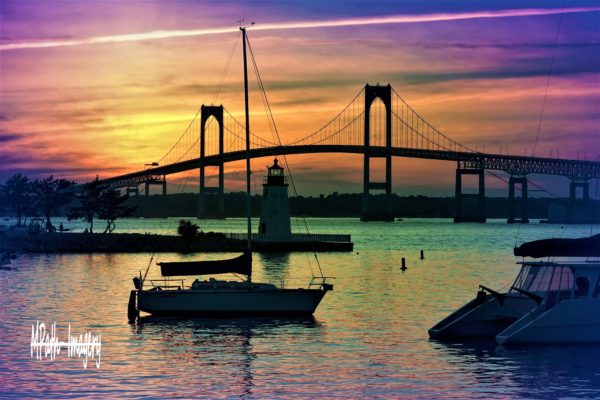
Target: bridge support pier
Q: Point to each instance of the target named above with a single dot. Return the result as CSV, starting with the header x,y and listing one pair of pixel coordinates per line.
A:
x,y
155,181
460,216
585,190
384,93
203,211
132,190
512,202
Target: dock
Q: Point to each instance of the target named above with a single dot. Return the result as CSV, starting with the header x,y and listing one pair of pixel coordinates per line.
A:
x,y
297,242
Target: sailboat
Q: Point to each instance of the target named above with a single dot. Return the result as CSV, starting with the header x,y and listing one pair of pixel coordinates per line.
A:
x,y
221,298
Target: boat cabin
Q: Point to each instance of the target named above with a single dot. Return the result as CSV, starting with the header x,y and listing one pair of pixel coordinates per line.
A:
x,y
558,280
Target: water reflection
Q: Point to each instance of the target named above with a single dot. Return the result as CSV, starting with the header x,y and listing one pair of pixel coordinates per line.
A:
x,y
228,344
276,266
370,341
532,371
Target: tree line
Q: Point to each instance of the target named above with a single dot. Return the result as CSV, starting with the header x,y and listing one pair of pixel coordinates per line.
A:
x,y
347,205
50,197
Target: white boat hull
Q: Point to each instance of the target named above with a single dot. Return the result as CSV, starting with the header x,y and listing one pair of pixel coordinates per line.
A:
x,y
482,317
284,302
569,321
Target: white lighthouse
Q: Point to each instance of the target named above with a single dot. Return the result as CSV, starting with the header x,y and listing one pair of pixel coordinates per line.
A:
x,y
275,211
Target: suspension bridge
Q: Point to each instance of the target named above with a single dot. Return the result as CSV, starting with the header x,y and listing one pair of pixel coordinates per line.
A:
x,y
377,123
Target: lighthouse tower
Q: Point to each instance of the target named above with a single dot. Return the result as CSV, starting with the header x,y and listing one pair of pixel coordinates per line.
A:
x,y
275,210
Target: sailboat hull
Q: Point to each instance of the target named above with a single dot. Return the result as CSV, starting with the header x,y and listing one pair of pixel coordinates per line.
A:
x,y
278,302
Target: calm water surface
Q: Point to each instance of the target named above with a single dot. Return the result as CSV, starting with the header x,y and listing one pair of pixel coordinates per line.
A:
x,y
368,338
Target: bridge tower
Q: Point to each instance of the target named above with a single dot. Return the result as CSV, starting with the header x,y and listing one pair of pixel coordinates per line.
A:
x,y
205,113
372,93
469,168
512,202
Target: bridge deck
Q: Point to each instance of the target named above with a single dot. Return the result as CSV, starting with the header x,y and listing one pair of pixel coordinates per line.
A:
x,y
515,165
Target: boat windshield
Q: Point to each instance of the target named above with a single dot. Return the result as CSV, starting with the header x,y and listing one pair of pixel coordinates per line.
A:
x,y
545,278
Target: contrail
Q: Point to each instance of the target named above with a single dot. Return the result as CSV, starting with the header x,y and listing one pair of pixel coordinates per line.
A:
x,y
392,19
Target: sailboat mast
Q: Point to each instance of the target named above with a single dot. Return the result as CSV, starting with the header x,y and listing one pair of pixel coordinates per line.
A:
x,y
248,198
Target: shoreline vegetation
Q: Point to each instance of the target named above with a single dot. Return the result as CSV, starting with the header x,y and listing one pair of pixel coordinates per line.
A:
x,y
349,205
332,205
46,198
111,205
336,205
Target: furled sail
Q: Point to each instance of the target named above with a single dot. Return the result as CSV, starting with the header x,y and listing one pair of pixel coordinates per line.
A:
x,y
239,265
584,247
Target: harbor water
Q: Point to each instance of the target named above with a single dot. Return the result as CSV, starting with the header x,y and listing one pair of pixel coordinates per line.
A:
x,y
368,338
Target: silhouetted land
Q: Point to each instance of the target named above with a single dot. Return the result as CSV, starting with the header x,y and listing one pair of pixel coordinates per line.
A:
x,y
350,205
333,205
19,240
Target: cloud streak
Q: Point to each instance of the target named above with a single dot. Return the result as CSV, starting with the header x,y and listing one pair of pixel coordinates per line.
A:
x,y
393,19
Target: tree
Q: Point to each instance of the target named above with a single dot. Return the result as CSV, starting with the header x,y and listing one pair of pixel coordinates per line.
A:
x,y
18,194
52,195
187,230
113,207
89,203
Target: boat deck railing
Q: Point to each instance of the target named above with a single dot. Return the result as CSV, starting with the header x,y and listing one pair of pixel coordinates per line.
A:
x,y
167,284
319,281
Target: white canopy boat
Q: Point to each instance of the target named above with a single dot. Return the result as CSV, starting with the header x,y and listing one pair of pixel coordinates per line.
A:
x,y
550,301
220,298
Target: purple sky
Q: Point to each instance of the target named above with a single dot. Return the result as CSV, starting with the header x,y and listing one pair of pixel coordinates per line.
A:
x,y
77,98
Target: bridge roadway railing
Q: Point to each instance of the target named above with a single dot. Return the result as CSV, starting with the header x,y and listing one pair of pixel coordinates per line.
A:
x,y
523,165
518,165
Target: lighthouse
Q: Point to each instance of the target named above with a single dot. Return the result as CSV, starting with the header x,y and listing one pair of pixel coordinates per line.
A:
x,y
275,211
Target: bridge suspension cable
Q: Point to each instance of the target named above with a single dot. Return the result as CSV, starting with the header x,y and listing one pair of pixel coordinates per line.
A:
x,y
425,136
236,128
181,140
409,128
353,110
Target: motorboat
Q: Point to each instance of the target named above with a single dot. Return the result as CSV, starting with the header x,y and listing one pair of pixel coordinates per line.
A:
x,y
551,301
223,298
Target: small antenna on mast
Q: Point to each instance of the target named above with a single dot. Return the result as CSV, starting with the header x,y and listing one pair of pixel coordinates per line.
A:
x,y
242,26
241,20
